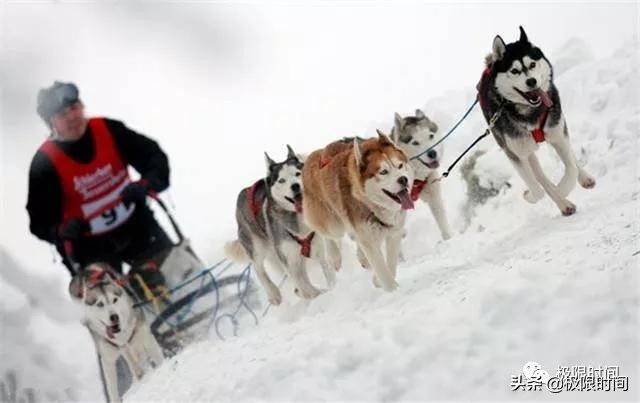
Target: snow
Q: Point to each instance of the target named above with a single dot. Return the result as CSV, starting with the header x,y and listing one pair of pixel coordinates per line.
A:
x,y
521,284
517,283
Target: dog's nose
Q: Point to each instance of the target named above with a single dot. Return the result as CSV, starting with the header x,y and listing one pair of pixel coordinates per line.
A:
x,y
432,154
114,318
403,181
295,188
531,82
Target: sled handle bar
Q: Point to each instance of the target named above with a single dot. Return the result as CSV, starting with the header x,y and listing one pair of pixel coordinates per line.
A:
x,y
68,245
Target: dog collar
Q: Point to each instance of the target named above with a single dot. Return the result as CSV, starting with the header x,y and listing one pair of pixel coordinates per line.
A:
x,y
374,218
305,243
538,133
417,187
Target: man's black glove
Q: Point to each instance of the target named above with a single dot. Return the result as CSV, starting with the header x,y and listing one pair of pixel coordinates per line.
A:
x,y
135,192
73,229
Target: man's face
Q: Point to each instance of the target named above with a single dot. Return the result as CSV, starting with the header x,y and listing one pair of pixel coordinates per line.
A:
x,y
70,123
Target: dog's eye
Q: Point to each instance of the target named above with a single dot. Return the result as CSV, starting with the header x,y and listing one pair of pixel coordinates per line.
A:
x,y
532,65
115,300
400,166
515,72
100,304
384,172
281,180
415,143
297,173
431,136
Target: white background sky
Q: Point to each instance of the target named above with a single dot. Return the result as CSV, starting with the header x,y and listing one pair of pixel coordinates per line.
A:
x,y
218,83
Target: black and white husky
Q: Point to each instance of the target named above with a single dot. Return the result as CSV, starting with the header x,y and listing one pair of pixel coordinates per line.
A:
x,y
521,103
414,135
117,328
271,230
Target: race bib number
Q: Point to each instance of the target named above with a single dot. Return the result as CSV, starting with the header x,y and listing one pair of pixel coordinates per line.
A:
x,y
111,218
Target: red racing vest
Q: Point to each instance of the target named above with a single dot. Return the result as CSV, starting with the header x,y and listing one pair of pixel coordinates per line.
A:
x,y
92,190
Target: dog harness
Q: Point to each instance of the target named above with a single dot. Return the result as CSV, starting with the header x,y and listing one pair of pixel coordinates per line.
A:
x,y
324,162
255,206
537,133
305,243
417,187
89,188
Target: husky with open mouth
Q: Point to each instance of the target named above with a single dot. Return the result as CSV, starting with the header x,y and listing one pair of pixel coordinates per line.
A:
x,y
517,93
361,188
415,134
271,229
118,329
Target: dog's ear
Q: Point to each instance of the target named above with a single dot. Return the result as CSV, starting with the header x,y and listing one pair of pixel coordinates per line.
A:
x,y
523,36
398,121
76,287
384,139
394,135
291,154
499,48
357,152
268,161
420,114
432,126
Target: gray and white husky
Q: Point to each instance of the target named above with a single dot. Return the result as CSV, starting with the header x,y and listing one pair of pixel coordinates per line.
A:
x,y
117,328
271,230
414,135
517,93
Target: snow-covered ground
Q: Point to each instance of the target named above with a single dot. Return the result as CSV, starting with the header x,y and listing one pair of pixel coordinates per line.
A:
x,y
521,284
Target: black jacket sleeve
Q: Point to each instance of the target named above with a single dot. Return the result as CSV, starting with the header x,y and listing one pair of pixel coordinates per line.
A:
x,y
142,153
44,201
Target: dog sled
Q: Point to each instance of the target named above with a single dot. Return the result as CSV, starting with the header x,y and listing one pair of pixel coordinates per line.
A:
x,y
194,299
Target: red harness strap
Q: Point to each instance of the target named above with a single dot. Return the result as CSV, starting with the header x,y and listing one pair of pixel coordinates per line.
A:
x,y
97,273
324,162
305,243
537,133
480,85
254,205
417,187
95,277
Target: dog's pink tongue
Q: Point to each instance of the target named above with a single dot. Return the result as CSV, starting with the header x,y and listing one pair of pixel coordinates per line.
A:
x,y
110,332
405,200
298,205
546,99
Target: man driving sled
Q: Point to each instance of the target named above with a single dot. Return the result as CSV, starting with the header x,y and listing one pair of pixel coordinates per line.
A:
x,y
81,194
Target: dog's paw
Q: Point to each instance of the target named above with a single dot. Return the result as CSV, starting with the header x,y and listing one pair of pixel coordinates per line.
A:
x,y
275,297
533,197
308,293
335,264
587,181
567,208
446,235
363,259
390,286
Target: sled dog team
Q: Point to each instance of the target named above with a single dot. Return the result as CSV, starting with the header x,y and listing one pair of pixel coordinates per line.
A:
x,y
363,187
358,187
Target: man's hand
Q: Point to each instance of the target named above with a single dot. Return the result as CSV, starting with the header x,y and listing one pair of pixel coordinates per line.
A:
x,y
135,192
73,229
